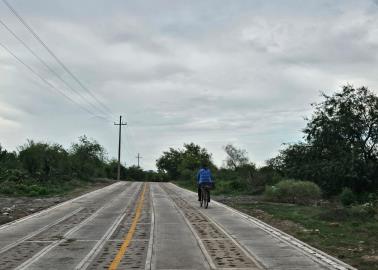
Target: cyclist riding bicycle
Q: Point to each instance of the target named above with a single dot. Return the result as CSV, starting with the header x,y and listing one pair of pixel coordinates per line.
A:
x,y
204,177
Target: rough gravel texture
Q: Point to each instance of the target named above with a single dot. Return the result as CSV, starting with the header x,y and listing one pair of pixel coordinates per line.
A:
x,y
12,208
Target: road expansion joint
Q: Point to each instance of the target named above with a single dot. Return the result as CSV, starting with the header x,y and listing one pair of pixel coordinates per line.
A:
x,y
137,218
222,251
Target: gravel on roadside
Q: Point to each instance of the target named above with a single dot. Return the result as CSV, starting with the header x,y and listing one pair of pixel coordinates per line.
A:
x,y
12,208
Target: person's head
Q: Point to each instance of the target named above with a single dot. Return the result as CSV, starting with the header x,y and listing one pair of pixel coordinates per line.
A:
x,y
204,165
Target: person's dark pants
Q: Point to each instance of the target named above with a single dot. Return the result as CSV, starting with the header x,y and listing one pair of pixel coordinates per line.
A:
x,y
200,191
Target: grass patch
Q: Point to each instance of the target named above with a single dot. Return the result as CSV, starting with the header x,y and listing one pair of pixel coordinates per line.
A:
x,y
331,229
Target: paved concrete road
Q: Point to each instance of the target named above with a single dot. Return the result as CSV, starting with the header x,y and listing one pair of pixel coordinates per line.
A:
x,y
150,226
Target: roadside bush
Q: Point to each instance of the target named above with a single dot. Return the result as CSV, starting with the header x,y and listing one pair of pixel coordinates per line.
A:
x,y
353,213
373,198
156,176
292,191
366,197
238,185
7,187
14,175
42,160
35,190
8,160
187,175
363,211
265,176
347,197
334,214
221,187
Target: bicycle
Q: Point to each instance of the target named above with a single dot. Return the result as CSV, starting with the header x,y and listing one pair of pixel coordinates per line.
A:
x,y
205,196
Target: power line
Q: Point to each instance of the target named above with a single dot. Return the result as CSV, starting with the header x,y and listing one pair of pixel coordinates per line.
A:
x,y
56,57
130,142
127,146
131,138
47,82
47,65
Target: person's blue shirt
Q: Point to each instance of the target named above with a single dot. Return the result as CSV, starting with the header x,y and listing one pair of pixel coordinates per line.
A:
x,y
204,176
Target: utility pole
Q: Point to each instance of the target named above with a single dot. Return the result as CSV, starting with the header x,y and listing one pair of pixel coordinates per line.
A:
x,y
120,124
138,157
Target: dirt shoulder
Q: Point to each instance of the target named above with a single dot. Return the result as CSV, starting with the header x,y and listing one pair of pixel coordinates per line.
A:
x,y
239,201
12,208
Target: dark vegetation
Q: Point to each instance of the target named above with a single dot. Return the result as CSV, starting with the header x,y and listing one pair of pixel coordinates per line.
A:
x,y
39,168
291,191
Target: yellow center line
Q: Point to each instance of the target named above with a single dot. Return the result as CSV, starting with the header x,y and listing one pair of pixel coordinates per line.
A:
x,y
130,233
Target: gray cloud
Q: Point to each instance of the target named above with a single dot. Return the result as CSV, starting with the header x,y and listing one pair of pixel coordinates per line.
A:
x,y
212,72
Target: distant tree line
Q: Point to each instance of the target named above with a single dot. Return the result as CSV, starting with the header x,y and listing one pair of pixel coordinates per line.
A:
x,y
45,161
37,168
238,174
133,173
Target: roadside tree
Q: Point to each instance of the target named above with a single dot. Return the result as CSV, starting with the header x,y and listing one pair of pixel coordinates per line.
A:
x,y
341,143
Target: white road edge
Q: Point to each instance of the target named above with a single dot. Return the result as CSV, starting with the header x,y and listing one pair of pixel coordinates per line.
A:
x,y
148,265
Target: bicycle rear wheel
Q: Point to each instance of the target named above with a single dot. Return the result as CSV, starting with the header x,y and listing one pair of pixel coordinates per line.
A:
x,y
203,197
206,198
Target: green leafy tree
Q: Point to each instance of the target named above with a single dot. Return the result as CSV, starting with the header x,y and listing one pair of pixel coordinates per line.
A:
x,y
193,156
341,143
112,170
88,158
237,160
10,167
183,163
8,160
42,160
135,173
169,163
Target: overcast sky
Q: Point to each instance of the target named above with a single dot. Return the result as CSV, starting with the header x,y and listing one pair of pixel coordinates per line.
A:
x,y
209,72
